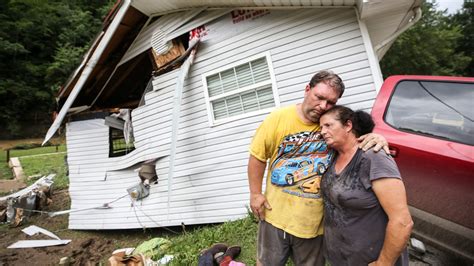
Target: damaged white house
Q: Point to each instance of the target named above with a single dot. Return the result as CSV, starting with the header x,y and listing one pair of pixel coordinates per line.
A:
x,y
182,86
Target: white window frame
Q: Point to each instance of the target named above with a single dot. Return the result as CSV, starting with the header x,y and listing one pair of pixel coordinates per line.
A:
x,y
210,111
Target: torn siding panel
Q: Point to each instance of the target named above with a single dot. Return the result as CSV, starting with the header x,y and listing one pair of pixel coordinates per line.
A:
x,y
161,103
186,209
152,122
94,146
154,35
87,138
201,19
93,193
143,41
82,153
161,39
165,81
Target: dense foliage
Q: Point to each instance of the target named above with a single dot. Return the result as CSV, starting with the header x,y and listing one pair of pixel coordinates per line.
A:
x,y
439,44
42,42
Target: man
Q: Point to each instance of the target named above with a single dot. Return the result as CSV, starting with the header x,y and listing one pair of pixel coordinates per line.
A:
x,y
291,210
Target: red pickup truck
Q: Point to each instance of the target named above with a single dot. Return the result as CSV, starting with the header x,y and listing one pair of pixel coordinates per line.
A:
x,y
428,122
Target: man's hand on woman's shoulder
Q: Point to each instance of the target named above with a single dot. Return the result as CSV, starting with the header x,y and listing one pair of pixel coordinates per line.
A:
x,y
373,140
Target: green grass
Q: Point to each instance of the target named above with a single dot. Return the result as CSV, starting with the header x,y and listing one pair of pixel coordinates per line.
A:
x,y
5,171
243,232
45,165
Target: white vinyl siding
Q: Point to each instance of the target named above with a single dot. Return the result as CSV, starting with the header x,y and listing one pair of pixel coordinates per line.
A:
x,y
209,182
158,34
244,88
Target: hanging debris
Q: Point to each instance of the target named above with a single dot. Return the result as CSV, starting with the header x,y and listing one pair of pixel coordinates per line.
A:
x,y
15,207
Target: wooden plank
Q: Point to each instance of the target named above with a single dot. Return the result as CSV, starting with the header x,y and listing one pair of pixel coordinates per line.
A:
x,y
176,51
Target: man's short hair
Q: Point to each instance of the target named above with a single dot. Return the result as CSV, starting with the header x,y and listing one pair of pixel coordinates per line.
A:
x,y
330,79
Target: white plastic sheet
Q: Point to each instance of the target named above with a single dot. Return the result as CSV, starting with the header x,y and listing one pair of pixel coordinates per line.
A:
x,y
33,230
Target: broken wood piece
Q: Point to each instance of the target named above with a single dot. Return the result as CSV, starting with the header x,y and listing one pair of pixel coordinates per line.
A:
x,y
17,170
176,51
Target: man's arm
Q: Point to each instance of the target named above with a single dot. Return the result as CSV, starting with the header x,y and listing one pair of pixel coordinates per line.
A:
x,y
373,140
392,196
258,202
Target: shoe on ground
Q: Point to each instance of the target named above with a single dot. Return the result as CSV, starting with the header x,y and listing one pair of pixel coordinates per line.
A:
x,y
216,248
231,252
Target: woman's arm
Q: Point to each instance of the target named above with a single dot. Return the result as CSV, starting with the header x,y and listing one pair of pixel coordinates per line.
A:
x,y
392,196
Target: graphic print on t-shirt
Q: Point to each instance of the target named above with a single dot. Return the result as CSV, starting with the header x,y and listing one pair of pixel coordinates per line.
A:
x,y
301,161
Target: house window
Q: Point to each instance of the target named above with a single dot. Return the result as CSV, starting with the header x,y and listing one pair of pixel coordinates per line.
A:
x,y
241,90
117,144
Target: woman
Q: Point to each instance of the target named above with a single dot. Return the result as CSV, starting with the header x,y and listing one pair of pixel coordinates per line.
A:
x,y
366,221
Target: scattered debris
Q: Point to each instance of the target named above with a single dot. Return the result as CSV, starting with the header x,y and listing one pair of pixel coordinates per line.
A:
x,y
129,260
154,248
151,252
44,181
38,243
65,261
124,251
165,260
15,207
33,230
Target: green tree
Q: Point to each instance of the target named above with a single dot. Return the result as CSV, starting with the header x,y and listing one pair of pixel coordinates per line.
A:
x,y
464,18
41,42
431,47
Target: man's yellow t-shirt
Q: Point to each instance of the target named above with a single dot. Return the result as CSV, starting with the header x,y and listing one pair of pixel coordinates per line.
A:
x,y
298,157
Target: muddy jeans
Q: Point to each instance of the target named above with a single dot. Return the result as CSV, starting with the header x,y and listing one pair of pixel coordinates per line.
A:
x,y
275,246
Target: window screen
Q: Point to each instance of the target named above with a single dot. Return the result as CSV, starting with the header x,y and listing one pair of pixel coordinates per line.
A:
x,y
117,144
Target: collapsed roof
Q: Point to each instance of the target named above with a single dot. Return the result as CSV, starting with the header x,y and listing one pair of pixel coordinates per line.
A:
x,y
115,71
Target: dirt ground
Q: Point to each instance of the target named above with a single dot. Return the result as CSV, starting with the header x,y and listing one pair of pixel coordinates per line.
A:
x,y
10,185
86,247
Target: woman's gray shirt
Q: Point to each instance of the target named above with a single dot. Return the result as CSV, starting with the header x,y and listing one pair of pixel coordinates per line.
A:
x,y
354,220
